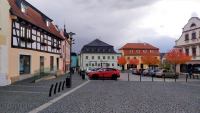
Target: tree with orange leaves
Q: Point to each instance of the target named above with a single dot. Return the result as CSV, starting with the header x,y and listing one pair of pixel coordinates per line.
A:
x,y
155,61
122,61
133,62
147,59
175,56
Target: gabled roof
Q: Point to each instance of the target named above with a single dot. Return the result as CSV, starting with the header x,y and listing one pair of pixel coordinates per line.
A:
x,y
33,17
138,46
161,55
98,42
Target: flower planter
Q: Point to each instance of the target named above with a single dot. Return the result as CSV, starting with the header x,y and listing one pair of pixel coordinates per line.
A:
x,y
58,48
44,44
30,40
24,39
53,47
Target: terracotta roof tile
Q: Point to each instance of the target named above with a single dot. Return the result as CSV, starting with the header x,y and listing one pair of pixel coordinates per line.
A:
x,y
127,52
138,46
33,17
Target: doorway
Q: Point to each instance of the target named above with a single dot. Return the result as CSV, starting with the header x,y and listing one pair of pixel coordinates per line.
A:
x,y
51,63
57,63
42,64
141,66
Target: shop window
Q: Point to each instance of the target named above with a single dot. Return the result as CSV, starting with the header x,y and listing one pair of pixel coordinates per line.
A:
x,y
24,64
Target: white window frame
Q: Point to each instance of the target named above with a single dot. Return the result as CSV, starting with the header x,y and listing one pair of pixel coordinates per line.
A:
x,y
23,8
48,23
138,51
151,51
144,51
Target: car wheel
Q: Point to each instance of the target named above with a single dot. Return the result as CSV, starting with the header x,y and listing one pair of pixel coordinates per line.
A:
x,y
147,74
114,77
95,76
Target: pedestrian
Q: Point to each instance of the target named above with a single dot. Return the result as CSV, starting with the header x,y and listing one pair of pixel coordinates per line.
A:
x,y
141,72
190,72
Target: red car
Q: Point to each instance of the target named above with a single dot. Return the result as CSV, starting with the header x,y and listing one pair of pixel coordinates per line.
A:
x,y
105,72
138,71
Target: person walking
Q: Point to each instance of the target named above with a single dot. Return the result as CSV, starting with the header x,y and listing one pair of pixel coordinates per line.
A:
x,y
141,72
190,72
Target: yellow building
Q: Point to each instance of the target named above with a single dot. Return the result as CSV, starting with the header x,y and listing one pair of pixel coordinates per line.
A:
x,y
137,51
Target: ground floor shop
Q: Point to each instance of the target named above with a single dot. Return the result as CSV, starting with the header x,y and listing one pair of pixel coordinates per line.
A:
x,y
194,66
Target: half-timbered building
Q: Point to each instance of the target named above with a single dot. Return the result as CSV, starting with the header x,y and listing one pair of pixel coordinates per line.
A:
x,y
34,42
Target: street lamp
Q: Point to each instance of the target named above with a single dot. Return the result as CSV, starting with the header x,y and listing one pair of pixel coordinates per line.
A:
x,y
71,42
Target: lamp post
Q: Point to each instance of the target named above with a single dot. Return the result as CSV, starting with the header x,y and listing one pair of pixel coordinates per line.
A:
x,y
71,42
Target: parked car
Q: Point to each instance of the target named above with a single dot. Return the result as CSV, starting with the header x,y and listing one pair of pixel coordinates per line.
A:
x,y
105,72
167,73
146,72
137,72
153,72
88,70
95,69
134,71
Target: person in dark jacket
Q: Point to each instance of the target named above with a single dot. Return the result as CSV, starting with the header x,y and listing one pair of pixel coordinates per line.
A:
x,y
141,72
190,72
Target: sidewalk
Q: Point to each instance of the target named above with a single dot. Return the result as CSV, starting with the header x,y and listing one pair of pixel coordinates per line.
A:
x,y
24,96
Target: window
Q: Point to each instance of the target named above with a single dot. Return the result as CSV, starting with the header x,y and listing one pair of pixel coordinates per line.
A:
x,y
24,64
151,51
194,51
193,25
98,49
145,51
134,57
108,64
28,33
86,57
48,23
57,43
92,57
105,69
99,64
108,50
23,8
87,49
193,35
112,57
103,57
86,65
112,64
98,57
92,49
92,64
128,58
111,70
138,51
118,57
156,57
42,39
131,51
186,37
108,57
103,50
22,31
52,42
187,51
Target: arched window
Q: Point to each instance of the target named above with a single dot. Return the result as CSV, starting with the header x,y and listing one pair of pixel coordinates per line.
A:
x,y
193,25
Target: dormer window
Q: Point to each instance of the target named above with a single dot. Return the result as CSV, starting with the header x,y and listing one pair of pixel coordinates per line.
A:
x,y
145,51
23,8
92,49
108,50
138,51
48,23
131,51
103,50
151,51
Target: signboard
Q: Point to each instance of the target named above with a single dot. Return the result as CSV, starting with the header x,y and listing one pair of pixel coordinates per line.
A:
x,y
120,65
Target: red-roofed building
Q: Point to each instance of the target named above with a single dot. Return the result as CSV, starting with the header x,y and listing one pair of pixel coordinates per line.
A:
x,y
33,43
136,51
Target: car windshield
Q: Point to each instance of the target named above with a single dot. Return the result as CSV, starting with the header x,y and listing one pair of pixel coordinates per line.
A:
x,y
159,70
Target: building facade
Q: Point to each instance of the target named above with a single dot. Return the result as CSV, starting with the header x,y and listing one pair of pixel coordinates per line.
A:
x,y
137,51
189,42
98,54
5,34
33,41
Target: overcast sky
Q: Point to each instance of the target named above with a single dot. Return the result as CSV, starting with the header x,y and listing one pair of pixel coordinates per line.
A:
x,y
117,22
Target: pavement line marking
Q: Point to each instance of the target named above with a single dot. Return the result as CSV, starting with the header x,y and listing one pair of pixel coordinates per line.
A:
x,y
29,86
56,99
21,91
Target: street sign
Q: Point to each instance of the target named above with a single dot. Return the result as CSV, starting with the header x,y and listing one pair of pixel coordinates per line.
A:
x,y
120,65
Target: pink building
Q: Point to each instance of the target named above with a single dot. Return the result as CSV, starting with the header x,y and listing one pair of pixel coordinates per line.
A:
x,y
65,49
189,42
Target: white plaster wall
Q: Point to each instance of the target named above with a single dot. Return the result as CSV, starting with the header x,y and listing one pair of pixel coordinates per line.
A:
x,y
190,21
106,60
5,25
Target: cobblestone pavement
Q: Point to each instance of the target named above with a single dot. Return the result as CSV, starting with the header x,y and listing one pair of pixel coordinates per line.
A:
x,y
23,96
132,97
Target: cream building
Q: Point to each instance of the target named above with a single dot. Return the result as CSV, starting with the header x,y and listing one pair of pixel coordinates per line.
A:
x,y
189,42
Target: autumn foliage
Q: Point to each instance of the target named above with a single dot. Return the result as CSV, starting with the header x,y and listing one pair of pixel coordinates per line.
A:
x,y
121,61
176,56
133,62
149,59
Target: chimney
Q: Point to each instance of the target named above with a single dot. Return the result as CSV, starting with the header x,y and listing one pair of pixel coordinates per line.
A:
x,y
144,43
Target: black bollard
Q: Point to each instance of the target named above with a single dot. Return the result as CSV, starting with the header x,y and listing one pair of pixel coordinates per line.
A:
x,y
103,76
63,85
59,86
68,82
186,77
193,77
55,88
128,76
152,77
140,76
164,78
190,76
50,90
